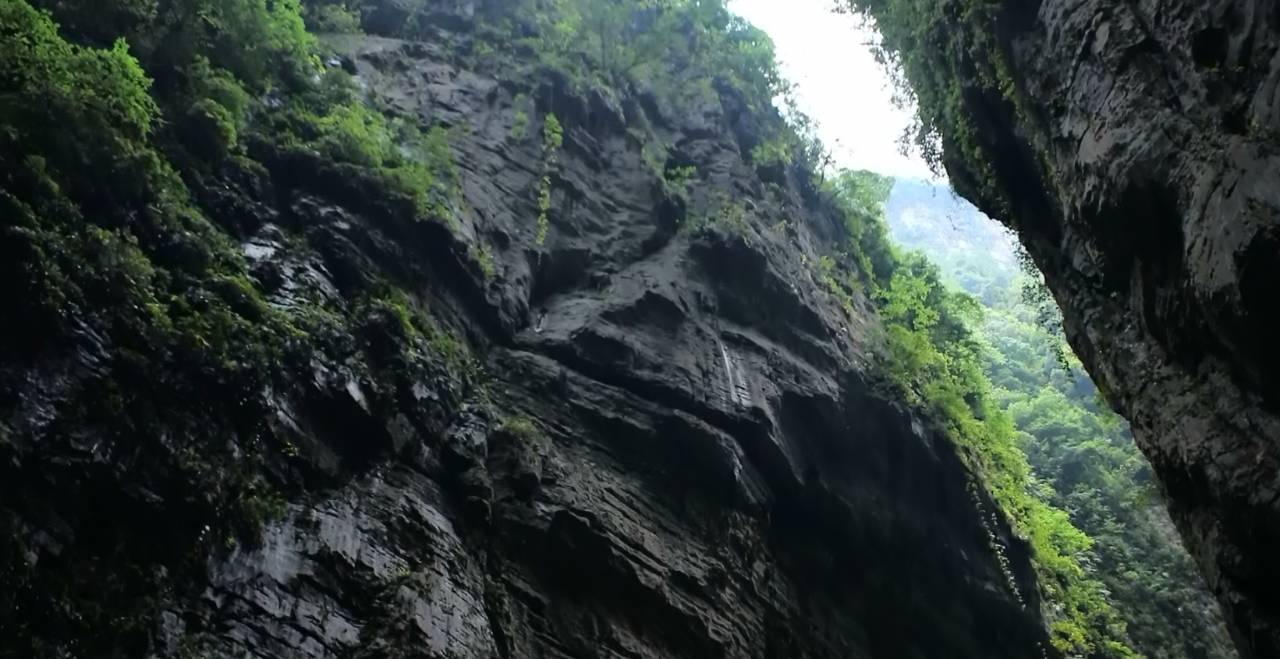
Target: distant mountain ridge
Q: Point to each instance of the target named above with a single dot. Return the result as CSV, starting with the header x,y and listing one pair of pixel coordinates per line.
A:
x,y
928,216
916,208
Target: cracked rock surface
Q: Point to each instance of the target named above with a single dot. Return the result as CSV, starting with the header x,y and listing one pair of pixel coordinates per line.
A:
x,y
1140,170
671,442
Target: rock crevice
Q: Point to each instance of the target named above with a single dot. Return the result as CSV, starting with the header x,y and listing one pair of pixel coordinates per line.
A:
x,y
1133,150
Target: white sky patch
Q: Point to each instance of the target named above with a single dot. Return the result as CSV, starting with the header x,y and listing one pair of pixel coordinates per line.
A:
x,y
838,82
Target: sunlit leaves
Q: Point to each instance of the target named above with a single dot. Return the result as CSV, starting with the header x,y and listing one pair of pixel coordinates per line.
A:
x,y
939,363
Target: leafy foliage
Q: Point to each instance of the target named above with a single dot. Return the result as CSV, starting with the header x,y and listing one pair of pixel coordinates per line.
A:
x,y
99,97
679,179
616,42
679,50
522,428
939,363
218,111
119,265
727,214
483,257
1081,455
333,120
520,125
103,239
860,196
262,42
552,140
332,17
257,40
919,39
771,152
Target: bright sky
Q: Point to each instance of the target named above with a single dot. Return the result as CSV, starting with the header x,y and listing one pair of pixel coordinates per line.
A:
x,y
838,82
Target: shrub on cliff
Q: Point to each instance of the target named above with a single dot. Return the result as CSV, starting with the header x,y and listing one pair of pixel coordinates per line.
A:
x,y
937,362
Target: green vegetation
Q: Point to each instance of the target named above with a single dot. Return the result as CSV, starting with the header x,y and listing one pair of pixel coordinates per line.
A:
x,y
1081,455
771,152
389,311
332,120
727,214
684,42
937,362
117,119
520,126
684,51
118,265
97,219
552,140
483,258
679,179
111,121
522,428
919,43
934,357
841,283
336,17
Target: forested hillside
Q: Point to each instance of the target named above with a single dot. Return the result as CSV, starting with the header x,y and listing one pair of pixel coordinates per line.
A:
x,y
1081,453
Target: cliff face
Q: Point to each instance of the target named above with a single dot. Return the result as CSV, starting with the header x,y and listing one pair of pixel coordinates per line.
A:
x,y
630,437
1133,148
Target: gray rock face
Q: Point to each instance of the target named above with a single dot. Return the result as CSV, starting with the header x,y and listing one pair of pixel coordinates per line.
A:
x,y
713,475
672,446
1155,220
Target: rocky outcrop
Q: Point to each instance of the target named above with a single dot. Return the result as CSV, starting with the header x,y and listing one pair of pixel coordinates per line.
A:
x,y
1133,148
647,440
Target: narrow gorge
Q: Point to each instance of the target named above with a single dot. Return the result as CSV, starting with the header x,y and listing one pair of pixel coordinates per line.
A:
x,y
535,328
1133,149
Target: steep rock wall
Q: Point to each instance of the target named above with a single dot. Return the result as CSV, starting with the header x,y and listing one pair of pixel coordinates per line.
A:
x,y
668,443
1133,148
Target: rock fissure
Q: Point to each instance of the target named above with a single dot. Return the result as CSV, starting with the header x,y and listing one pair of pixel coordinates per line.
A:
x,y
1160,150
